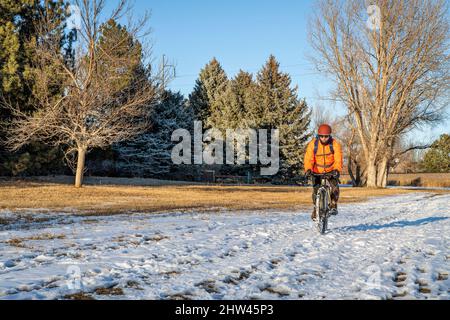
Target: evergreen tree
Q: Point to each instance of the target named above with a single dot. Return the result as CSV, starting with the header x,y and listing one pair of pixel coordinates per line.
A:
x,y
149,154
276,106
231,110
18,37
209,87
437,159
115,45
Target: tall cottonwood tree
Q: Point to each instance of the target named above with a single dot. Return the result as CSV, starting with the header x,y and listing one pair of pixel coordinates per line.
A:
x,y
95,108
391,69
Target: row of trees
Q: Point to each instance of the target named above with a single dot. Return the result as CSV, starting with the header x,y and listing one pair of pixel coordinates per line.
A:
x,y
65,92
267,102
90,89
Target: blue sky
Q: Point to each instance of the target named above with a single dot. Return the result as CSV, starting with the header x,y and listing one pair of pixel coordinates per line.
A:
x,y
241,35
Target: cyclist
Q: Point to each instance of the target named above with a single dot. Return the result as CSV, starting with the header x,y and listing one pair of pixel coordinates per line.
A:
x,y
324,155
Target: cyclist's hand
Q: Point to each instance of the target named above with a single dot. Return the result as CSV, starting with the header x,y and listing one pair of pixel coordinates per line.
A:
x,y
308,173
335,174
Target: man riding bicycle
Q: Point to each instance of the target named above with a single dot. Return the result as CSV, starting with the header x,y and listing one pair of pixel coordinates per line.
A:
x,y
324,155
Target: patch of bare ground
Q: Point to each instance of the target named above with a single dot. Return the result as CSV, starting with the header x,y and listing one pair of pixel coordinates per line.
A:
x,y
109,291
209,286
78,296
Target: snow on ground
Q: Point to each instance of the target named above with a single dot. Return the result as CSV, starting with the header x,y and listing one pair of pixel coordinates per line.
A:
x,y
393,247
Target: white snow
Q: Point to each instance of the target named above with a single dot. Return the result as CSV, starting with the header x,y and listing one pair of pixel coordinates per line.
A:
x,y
393,247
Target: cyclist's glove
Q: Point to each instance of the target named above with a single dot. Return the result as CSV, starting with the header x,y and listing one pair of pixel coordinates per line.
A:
x,y
336,174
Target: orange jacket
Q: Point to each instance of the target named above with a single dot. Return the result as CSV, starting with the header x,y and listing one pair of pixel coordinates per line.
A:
x,y
324,160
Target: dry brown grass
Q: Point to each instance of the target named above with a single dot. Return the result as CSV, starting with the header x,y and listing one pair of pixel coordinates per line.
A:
x,y
414,179
15,242
46,236
20,196
18,242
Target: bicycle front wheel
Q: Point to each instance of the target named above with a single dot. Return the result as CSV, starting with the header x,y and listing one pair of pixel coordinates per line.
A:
x,y
322,221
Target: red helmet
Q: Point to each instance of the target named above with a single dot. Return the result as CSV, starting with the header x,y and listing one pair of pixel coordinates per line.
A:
x,y
324,130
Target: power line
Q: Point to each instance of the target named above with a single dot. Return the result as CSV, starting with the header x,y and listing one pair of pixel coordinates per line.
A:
x,y
247,69
291,75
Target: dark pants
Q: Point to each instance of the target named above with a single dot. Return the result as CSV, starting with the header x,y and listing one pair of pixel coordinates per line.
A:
x,y
334,190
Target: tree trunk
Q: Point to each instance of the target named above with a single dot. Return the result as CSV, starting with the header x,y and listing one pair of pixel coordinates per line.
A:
x,y
382,173
356,177
80,167
371,174
358,174
350,172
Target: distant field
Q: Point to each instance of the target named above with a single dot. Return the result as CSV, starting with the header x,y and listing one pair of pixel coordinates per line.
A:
x,y
414,179
113,199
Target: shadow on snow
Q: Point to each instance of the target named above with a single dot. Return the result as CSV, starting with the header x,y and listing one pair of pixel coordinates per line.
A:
x,y
396,224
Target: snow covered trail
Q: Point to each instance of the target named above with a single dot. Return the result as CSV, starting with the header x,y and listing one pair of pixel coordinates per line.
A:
x,y
392,247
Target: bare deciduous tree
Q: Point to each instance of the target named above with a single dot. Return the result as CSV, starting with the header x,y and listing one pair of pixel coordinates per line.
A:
x,y
352,156
391,72
100,98
322,115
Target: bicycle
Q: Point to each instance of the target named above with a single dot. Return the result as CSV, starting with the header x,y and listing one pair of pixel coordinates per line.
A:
x,y
323,200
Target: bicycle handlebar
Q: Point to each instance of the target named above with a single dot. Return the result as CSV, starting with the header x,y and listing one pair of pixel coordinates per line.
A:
x,y
320,175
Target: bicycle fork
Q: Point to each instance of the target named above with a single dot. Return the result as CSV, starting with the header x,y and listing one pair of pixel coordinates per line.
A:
x,y
322,207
